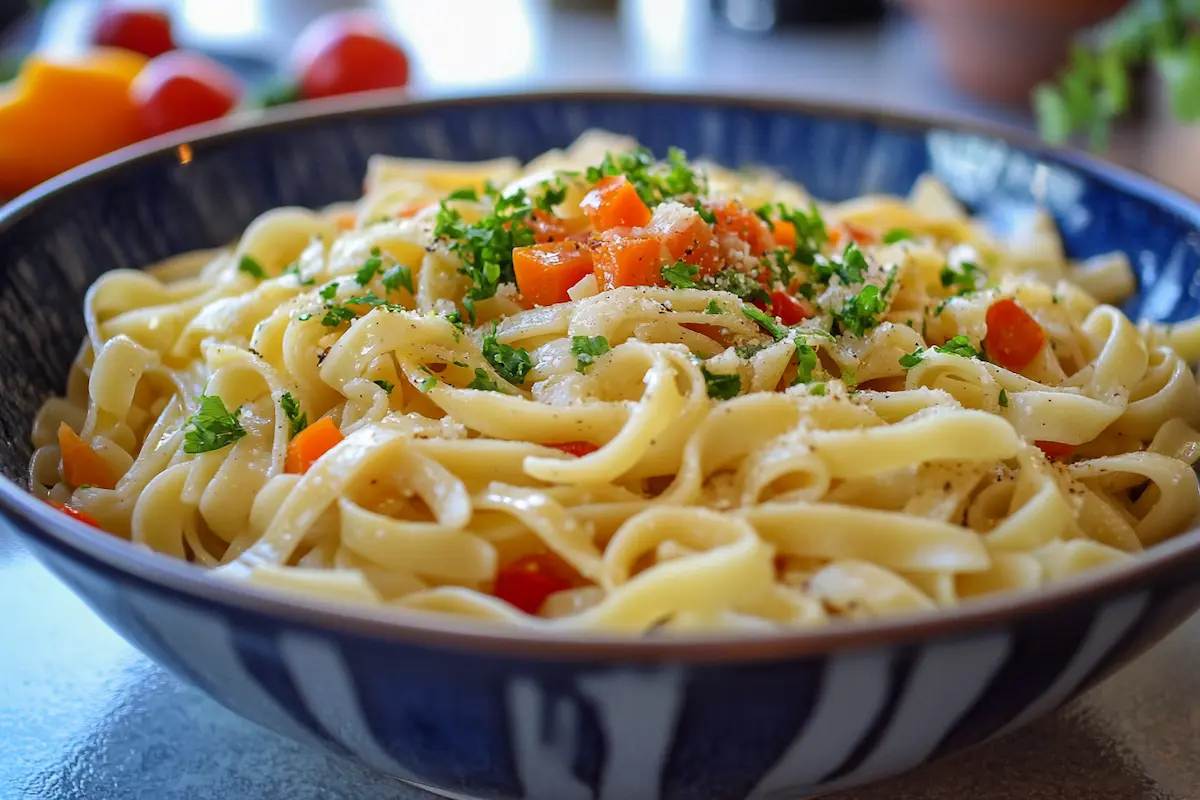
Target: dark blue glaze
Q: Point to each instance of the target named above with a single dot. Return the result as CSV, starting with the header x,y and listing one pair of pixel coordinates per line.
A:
x,y
619,724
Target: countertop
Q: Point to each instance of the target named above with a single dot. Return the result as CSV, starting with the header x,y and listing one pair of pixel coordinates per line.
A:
x,y
84,715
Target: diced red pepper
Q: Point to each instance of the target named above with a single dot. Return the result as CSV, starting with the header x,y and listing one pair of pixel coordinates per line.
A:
x,y
1013,338
577,449
82,516
1056,451
862,236
790,310
528,581
546,271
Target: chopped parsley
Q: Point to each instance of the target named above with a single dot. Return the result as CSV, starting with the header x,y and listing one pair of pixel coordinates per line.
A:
x,y
554,193
860,312
652,185
297,419
748,351
398,277
483,382
897,235
370,268
371,299
722,386
817,389
1003,399
387,386
455,319
738,283
512,363
252,268
336,315
963,280
212,427
464,194
294,270
486,246
705,214
810,231
304,317
766,322
430,380
681,275
850,267
328,292
587,349
910,360
958,346
713,308
806,362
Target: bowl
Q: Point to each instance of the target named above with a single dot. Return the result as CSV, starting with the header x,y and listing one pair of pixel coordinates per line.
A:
x,y
472,711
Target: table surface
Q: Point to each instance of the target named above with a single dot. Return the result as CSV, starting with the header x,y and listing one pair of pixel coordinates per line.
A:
x,y
84,715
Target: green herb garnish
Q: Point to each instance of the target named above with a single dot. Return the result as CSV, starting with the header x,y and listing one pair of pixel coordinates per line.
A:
x,y
964,279
587,349
370,268
681,275
705,214
387,386
293,269
212,427
328,292
806,362
252,268
336,315
860,312
910,360
1003,399
297,419
398,277
713,308
464,194
817,389
738,283
766,322
722,386
512,363
958,346
483,382
897,235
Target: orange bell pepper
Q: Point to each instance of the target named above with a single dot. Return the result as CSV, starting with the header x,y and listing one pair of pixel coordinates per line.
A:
x,y
57,114
546,271
613,202
310,444
81,465
628,260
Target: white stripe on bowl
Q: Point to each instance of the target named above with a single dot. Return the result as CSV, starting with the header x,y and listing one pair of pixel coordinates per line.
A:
x,y
204,643
543,758
1108,626
323,681
853,692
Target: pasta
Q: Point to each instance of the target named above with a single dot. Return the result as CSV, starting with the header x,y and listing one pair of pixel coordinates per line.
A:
x,y
603,392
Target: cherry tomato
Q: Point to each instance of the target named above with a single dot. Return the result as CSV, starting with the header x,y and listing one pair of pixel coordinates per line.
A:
x,y
82,516
1056,451
528,581
789,310
180,89
577,449
141,30
1013,337
347,52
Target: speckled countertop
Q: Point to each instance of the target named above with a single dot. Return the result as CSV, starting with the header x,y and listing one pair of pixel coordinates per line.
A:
x,y
84,715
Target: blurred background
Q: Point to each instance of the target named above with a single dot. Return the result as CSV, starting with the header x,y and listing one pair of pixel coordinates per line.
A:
x,y
1130,92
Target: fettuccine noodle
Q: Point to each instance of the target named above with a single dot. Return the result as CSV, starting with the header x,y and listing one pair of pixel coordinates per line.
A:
x,y
682,414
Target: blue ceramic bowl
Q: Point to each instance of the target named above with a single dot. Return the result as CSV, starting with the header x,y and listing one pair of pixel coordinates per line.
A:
x,y
482,712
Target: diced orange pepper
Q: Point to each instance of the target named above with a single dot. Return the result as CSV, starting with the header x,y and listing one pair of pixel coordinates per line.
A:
x,y
546,271
613,203
81,465
577,449
734,218
82,516
785,234
626,260
58,114
549,228
862,236
310,444
1013,337
692,243
1056,451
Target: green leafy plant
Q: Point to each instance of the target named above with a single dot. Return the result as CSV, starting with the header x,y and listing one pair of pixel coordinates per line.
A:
x,y
1096,87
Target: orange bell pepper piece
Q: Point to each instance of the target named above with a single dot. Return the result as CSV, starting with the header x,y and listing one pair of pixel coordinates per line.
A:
x,y
734,218
58,114
82,516
546,271
310,444
613,203
628,261
81,465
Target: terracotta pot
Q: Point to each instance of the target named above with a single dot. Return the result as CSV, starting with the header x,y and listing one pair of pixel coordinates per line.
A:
x,y
1001,49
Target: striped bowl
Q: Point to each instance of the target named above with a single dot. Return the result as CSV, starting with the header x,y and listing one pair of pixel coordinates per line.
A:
x,y
467,711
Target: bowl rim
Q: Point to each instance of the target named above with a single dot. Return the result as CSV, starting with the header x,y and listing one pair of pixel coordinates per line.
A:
x,y
164,574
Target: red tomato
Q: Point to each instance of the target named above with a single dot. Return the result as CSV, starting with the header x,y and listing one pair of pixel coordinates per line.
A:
x,y
528,581
82,516
1013,337
789,310
141,30
180,89
577,449
1056,451
347,52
